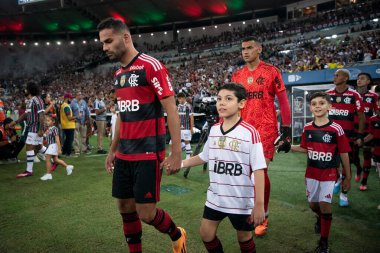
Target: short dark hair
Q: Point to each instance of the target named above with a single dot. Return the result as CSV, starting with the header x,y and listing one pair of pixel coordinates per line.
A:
x,y
239,91
377,88
181,95
367,75
321,94
33,88
246,39
112,23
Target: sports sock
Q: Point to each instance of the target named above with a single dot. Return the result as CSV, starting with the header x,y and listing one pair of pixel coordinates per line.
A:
x,y
132,231
365,175
326,219
183,145
214,246
266,190
29,160
247,246
53,167
163,223
42,150
188,151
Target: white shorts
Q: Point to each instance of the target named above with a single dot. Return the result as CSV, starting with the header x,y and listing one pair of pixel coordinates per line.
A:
x,y
319,191
186,135
33,139
52,149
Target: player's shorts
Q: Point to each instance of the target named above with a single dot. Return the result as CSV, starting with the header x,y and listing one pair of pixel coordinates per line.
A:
x,y
267,139
319,191
238,221
137,179
52,149
33,139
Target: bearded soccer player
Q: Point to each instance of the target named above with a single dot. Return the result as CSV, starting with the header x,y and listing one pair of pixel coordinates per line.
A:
x,y
263,82
143,92
346,102
370,98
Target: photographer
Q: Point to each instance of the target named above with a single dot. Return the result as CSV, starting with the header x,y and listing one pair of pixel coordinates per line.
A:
x,y
10,142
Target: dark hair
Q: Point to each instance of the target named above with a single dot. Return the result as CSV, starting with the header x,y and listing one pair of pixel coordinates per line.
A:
x,y
238,90
246,39
33,88
321,94
377,88
7,121
181,95
112,23
367,75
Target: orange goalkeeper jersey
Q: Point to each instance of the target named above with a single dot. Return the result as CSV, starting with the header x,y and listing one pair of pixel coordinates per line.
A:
x,y
262,84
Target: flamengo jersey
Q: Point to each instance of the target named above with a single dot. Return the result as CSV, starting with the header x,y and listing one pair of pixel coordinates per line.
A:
x,y
139,88
262,84
370,106
232,157
34,108
374,129
51,134
184,111
324,145
344,107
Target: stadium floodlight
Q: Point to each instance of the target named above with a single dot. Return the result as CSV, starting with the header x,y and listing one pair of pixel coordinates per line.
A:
x,y
216,27
96,40
47,43
151,34
72,42
189,30
328,38
281,31
36,44
243,22
229,24
84,42
24,44
257,20
165,33
375,20
334,36
177,31
204,28
11,44
139,35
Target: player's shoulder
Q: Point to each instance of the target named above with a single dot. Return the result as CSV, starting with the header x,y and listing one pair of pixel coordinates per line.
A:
x,y
329,91
353,91
338,128
270,67
372,93
249,130
308,125
239,70
149,62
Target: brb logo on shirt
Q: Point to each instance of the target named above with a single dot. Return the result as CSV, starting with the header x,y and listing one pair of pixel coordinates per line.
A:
x,y
232,169
338,112
319,156
128,105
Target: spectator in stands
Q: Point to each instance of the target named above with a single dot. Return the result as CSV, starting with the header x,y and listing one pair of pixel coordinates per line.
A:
x,y
10,143
101,117
82,115
67,124
48,103
2,108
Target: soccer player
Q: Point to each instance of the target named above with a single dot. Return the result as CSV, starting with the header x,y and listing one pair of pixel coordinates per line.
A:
x,y
143,92
325,143
186,121
235,156
263,82
370,98
34,115
345,103
53,149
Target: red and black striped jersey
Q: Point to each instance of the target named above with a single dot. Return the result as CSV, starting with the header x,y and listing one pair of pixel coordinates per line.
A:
x,y
139,88
324,145
370,106
344,107
374,129
34,108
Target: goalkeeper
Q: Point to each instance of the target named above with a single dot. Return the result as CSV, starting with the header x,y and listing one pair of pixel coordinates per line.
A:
x,y
263,83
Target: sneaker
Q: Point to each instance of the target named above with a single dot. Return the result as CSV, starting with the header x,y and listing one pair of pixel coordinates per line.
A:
x,y
101,151
24,174
336,188
363,187
36,160
343,203
47,176
261,229
88,152
317,226
69,169
41,156
357,178
323,247
179,246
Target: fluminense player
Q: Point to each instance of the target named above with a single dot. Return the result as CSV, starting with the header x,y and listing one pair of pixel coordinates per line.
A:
x,y
326,145
236,168
263,82
370,98
346,102
143,92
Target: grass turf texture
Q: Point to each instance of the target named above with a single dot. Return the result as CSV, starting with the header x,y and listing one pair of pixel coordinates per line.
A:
x,y
77,213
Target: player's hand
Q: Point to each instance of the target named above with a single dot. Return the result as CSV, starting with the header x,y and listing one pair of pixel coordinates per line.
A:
x,y
172,164
59,152
257,216
346,184
12,124
283,141
110,161
40,133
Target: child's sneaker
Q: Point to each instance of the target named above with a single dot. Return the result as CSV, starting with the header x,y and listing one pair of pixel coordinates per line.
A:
x,y
69,169
24,174
357,178
179,246
41,156
363,187
336,187
47,176
36,160
343,202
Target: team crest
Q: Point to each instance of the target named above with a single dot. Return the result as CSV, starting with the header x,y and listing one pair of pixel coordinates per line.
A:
x,y
116,82
250,80
338,99
327,138
222,141
234,145
368,100
122,80
347,100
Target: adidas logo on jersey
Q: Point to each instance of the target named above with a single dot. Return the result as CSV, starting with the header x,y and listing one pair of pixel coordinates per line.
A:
x,y
148,195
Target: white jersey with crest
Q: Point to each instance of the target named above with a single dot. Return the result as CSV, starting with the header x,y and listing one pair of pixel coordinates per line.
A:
x,y
232,157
